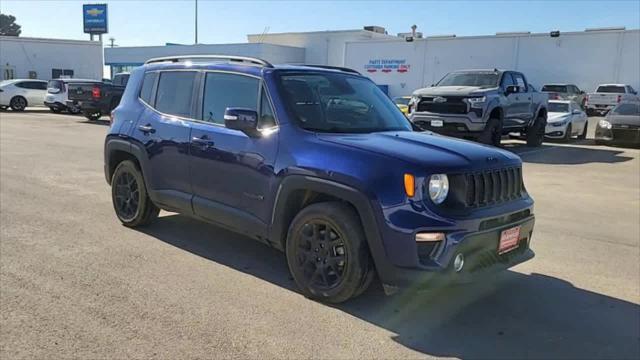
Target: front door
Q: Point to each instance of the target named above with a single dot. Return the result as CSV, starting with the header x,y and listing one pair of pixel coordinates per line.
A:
x,y
510,110
232,173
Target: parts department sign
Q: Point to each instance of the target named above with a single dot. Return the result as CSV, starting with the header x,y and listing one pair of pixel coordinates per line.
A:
x,y
95,18
387,65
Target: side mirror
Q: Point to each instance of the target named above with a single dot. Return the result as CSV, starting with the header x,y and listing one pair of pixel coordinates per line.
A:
x,y
245,120
53,90
576,111
512,89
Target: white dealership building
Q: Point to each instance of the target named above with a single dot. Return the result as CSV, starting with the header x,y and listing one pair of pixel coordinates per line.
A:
x,y
584,58
37,58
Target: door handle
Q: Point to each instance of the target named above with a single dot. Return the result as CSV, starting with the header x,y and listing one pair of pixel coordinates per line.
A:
x,y
204,142
146,128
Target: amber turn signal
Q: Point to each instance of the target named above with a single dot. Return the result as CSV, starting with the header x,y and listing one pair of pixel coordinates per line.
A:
x,y
409,185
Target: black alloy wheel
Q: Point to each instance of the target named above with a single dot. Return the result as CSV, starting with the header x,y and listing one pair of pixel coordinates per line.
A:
x,y
321,255
127,196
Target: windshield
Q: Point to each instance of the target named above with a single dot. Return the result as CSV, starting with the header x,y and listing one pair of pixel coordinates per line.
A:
x,y
611,89
481,79
555,88
558,107
401,100
627,109
338,103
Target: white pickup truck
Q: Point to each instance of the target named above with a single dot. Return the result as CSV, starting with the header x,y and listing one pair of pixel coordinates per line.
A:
x,y
607,96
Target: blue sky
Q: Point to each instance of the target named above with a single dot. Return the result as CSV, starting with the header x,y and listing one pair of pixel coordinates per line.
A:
x,y
134,23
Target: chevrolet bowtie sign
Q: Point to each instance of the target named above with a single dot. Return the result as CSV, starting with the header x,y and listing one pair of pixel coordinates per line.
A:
x,y
95,18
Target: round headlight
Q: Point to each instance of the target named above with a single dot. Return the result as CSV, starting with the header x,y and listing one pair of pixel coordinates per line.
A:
x,y
438,188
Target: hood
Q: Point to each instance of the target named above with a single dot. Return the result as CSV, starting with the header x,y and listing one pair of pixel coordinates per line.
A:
x,y
556,116
623,119
452,91
428,150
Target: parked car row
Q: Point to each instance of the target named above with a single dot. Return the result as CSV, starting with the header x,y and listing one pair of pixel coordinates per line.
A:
x,y
484,105
92,98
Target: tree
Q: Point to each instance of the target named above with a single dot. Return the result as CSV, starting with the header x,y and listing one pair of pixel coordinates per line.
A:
x,y
8,26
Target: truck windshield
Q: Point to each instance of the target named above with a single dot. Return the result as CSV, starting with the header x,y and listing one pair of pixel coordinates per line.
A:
x,y
481,79
339,103
558,107
610,89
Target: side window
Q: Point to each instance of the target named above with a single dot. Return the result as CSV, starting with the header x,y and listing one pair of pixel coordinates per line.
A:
x,y
174,94
519,79
222,90
147,86
507,80
20,85
41,85
267,118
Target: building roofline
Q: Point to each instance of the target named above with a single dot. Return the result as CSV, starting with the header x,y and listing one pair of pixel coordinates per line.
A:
x,y
203,45
321,32
49,40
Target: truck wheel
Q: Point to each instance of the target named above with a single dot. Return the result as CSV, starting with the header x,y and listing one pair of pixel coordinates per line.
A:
x,y
93,116
584,131
492,134
535,132
18,103
74,110
129,196
567,134
327,253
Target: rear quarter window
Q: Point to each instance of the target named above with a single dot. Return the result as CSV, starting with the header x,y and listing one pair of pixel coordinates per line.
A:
x,y
147,87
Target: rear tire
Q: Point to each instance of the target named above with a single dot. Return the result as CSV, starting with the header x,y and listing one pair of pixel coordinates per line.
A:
x,y
535,132
18,103
129,196
584,131
93,116
327,253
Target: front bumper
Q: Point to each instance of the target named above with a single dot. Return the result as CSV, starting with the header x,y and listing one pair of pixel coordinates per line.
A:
x,y
555,132
465,126
480,251
618,135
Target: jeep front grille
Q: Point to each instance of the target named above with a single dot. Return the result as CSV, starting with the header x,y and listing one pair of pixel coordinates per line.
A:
x,y
485,188
452,105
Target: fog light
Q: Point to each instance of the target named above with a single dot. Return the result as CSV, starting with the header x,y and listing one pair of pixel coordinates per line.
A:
x,y
458,262
429,237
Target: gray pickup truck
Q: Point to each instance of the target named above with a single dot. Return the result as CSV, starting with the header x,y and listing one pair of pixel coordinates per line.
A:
x,y
481,105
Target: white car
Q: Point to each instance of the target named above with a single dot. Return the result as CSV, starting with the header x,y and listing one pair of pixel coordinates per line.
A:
x,y
566,119
20,93
608,96
58,94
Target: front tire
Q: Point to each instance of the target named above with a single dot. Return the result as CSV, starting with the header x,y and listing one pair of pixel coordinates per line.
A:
x,y
93,116
18,103
129,196
492,134
567,134
74,110
535,132
584,131
327,253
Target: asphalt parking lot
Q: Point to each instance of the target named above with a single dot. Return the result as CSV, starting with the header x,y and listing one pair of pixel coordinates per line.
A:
x,y
75,283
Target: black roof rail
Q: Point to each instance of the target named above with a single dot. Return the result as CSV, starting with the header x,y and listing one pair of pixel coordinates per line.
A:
x,y
340,68
229,58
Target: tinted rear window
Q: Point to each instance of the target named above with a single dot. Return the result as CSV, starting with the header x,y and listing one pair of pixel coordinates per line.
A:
x,y
55,84
611,89
175,90
627,109
147,87
555,88
558,107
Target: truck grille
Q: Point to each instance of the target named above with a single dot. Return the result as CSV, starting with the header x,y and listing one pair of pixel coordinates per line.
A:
x,y
453,105
493,187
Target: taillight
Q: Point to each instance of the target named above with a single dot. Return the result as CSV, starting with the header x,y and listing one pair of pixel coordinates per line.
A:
x,y
95,92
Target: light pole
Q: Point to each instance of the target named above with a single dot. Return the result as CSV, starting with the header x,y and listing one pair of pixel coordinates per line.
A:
x,y
196,21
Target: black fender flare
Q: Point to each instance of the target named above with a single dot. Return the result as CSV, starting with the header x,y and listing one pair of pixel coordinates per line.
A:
x,y
118,144
278,230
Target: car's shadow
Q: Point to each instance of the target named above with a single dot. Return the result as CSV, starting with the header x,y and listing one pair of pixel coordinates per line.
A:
x,y
102,122
511,315
576,153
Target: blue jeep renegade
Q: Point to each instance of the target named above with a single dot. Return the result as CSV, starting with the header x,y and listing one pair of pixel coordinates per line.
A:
x,y
318,162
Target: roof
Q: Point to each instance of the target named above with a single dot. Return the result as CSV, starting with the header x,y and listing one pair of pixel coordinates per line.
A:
x,y
255,70
561,101
558,84
612,85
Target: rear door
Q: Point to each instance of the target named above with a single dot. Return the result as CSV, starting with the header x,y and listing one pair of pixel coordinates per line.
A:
x,y
524,100
163,131
36,91
232,174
